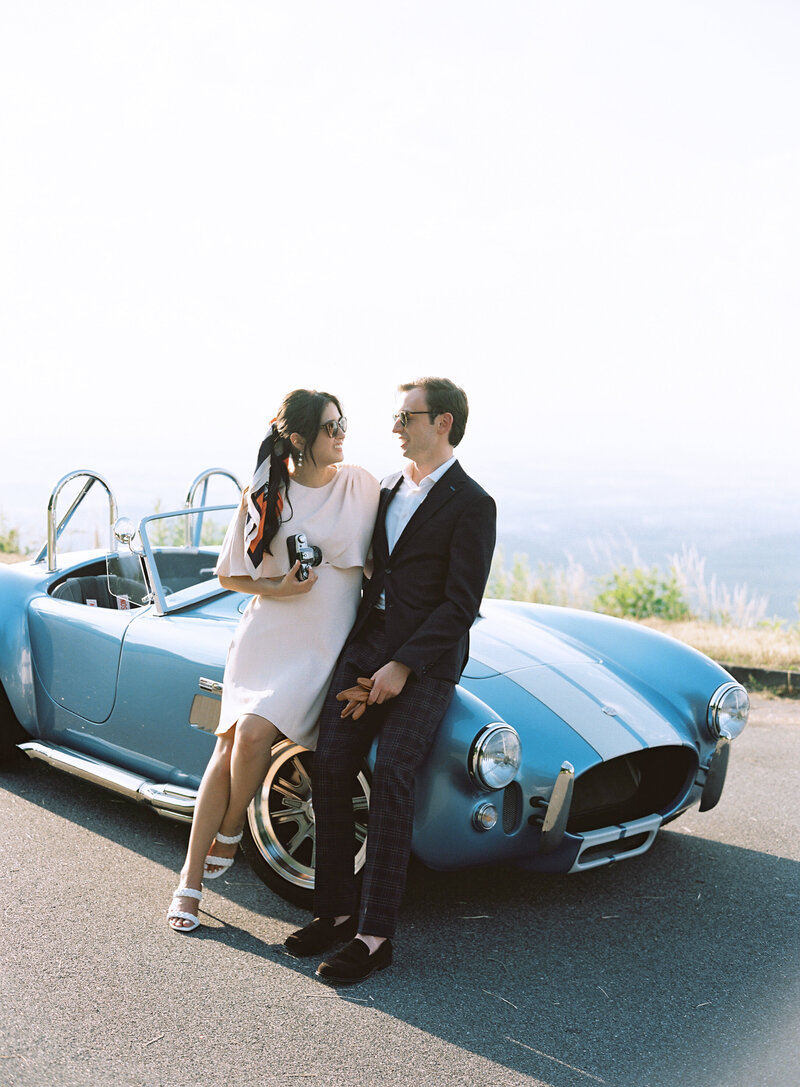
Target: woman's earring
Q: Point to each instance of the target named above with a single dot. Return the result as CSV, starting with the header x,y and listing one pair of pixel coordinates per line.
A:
x,y
300,459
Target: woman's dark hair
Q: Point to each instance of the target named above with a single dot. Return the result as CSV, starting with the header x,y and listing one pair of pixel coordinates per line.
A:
x,y
300,413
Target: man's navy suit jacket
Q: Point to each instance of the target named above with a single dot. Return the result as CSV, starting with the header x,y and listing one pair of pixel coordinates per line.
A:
x,y
435,576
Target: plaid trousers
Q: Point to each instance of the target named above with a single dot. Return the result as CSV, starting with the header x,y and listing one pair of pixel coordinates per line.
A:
x,y
406,726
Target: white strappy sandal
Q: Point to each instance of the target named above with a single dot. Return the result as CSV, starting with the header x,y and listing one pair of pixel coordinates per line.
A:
x,y
184,892
221,864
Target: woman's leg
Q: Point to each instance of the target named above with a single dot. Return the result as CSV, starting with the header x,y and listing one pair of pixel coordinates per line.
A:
x,y
235,770
250,759
213,797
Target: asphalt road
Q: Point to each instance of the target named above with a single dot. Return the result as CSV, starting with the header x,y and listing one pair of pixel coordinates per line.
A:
x,y
674,969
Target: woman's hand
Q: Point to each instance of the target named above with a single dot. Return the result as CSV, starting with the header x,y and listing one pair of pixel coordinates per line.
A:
x,y
272,587
287,586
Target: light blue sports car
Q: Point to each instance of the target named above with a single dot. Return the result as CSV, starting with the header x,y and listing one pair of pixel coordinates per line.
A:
x,y
572,738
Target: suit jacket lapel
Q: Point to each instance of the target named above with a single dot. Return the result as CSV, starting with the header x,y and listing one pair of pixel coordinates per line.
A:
x,y
379,541
440,493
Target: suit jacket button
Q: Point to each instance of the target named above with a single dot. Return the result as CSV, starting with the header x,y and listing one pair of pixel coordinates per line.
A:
x,y
388,571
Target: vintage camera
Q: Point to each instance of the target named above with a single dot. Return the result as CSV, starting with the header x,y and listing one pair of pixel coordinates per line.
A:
x,y
300,548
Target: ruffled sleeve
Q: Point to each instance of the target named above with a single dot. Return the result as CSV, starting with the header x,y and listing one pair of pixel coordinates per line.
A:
x,y
338,519
351,520
231,561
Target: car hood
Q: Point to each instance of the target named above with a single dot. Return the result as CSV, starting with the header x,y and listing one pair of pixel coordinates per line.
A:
x,y
502,642
225,606
609,714
612,712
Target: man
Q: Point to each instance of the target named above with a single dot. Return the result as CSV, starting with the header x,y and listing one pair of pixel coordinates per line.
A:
x,y
432,548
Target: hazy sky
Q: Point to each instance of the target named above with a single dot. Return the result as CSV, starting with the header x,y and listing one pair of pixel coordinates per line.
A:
x,y
585,212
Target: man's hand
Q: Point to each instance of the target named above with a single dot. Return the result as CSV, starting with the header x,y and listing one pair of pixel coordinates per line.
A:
x,y
388,682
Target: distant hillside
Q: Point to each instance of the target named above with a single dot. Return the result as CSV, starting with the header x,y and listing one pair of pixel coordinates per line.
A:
x,y
745,538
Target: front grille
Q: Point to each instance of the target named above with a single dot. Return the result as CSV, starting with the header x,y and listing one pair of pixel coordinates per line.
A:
x,y
649,782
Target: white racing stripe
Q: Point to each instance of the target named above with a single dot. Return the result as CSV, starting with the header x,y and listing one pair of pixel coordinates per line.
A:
x,y
510,642
580,694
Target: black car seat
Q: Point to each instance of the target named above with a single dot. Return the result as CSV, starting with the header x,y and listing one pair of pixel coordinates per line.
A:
x,y
82,590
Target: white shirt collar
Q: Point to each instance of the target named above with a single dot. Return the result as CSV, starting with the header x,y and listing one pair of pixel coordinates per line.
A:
x,y
428,481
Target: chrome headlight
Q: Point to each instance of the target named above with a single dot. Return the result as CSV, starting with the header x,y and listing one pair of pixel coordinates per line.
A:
x,y
728,710
495,756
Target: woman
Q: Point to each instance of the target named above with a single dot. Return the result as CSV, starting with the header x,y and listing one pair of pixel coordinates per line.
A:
x,y
282,656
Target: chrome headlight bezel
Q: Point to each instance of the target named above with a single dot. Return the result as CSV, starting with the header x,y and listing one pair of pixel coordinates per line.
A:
x,y
727,711
480,756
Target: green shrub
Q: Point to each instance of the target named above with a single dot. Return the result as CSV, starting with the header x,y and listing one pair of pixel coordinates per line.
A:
x,y
639,593
9,538
630,592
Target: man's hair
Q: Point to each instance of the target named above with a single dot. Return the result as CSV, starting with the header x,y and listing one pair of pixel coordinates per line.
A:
x,y
442,395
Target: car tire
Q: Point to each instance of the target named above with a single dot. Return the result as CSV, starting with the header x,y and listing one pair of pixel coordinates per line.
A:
x,y
279,838
11,733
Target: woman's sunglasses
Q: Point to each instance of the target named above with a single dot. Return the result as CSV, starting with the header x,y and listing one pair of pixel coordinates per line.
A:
x,y
333,426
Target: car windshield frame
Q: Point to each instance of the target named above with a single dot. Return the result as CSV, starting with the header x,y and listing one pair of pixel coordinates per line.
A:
x,y
166,602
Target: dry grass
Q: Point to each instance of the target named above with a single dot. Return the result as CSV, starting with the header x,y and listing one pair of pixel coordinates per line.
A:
x,y
11,556
753,647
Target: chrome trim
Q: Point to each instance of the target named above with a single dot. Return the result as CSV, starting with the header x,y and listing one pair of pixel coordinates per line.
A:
x,y
212,685
171,801
554,825
480,811
193,539
712,713
475,749
649,825
54,530
715,773
281,816
125,530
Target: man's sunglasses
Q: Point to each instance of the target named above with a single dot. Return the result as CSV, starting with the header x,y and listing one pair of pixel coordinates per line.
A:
x,y
333,426
401,417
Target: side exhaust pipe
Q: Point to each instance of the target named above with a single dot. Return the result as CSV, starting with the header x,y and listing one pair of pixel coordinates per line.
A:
x,y
171,801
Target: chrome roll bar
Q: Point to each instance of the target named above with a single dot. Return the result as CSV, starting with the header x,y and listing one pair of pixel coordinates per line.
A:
x,y
54,530
193,538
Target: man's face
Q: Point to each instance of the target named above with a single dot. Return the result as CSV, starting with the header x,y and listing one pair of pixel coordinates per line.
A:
x,y
418,437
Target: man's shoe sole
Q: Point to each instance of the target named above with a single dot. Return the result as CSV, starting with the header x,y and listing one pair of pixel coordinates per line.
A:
x,y
379,960
338,934
333,980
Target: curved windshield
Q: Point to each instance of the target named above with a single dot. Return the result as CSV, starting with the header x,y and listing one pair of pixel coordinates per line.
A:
x,y
181,550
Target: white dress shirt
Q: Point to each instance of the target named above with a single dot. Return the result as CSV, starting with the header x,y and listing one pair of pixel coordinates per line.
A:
x,y
406,502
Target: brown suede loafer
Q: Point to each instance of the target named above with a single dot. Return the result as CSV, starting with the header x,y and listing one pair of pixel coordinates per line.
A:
x,y
354,963
319,935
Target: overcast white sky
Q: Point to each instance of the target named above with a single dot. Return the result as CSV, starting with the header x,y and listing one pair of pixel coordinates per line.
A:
x,y
585,212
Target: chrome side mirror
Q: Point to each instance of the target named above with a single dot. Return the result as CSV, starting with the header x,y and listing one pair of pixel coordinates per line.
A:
x,y
125,530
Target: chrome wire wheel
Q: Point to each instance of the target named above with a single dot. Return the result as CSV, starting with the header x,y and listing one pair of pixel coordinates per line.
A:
x,y
280,838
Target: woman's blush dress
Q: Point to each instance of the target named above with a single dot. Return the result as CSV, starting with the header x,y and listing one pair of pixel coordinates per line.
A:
x,y
283,653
